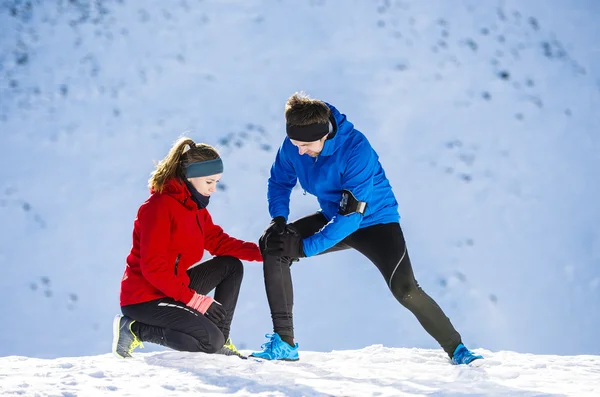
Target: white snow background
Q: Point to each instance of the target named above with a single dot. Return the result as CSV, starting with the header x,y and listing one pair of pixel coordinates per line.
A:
x,y
485,115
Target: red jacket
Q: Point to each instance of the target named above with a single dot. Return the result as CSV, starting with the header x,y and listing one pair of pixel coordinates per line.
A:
x,y
170,235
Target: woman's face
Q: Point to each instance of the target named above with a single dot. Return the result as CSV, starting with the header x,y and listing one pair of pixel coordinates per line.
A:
x,y
205,185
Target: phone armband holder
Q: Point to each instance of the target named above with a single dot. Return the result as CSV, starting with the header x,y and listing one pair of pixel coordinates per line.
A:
x,y
350,204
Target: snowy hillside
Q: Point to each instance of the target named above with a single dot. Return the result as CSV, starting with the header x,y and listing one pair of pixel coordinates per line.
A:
x,y
484,114
372,371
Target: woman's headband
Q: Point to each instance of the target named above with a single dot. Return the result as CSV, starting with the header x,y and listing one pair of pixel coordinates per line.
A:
x,y
204,168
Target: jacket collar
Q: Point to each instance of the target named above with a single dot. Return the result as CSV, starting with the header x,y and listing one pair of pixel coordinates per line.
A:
x,y
176,188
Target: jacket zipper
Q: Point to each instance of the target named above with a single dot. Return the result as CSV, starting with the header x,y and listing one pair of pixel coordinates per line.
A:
x,y
177,263
312,165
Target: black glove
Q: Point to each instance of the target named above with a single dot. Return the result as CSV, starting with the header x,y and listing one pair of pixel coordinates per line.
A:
x,y
287,244
216,312
277,226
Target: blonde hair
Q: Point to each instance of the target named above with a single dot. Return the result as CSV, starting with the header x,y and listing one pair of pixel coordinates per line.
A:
x,y
174,162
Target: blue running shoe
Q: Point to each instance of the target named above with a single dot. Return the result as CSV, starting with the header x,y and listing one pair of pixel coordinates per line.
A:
x,y
462,355
276,349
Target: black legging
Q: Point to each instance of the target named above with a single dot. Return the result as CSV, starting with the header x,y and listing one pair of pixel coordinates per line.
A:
x,y
171,323
383,245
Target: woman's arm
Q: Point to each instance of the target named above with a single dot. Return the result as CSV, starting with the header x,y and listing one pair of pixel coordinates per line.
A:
x,y
219,243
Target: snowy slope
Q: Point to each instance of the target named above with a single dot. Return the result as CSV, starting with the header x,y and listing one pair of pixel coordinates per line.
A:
x,y
372,371
484,114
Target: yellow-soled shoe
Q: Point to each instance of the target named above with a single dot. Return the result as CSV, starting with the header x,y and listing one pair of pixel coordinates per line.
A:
x,y
124,340
229,349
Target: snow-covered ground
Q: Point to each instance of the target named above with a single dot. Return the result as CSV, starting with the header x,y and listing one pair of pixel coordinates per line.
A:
x,y
371,371
484,114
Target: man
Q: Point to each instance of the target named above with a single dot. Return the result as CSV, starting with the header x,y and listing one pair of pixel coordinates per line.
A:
x,y
336,163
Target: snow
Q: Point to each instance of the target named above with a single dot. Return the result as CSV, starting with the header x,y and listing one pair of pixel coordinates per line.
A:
x,y
371,371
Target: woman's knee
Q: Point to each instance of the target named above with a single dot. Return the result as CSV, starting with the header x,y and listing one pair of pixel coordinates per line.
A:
x,y
216,340
234,265
209,342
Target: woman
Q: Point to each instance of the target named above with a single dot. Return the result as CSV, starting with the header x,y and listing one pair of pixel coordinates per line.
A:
x,y
164,289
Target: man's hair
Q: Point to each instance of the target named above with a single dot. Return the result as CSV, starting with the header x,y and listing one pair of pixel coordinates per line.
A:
x,y
300,109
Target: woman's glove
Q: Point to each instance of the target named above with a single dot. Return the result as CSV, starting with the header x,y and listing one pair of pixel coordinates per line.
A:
x,y
208,306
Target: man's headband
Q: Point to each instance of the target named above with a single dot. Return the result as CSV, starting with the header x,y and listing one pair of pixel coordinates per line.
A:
x,y
204,168
308,133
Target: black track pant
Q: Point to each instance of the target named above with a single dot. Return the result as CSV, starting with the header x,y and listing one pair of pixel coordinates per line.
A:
x,y
171,323
383,245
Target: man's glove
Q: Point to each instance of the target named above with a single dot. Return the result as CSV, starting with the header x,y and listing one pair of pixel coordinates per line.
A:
x,y
287,244
277,226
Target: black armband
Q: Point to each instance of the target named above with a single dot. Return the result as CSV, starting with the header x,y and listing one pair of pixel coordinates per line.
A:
x,y
350,204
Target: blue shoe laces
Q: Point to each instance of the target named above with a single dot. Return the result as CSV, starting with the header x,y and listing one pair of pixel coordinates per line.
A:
x,y
269,344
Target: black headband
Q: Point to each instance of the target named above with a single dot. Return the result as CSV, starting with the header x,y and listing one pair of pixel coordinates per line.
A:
x,y
307,133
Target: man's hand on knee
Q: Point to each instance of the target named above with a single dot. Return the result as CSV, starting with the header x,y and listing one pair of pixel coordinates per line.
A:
x,y
287,244
277,226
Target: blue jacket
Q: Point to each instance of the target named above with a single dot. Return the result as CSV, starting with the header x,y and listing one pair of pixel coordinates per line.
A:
x,y
347,162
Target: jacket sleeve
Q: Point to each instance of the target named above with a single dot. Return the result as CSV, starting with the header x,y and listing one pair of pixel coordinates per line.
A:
x,y
155,228
358,178
282,181
219,243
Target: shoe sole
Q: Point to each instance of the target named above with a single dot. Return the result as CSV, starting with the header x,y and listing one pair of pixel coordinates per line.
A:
x,y
279,359
116,335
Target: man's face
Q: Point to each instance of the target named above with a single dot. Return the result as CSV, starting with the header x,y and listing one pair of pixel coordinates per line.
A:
x,y
311,148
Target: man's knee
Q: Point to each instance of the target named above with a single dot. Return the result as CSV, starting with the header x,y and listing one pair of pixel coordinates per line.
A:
x,y
270,261
402,282
404,290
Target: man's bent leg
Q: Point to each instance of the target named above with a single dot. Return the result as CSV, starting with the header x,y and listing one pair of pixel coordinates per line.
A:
x,y
278,280
280,294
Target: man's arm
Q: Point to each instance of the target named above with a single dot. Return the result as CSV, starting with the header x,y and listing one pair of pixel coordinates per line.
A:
x,y
357,179
282,181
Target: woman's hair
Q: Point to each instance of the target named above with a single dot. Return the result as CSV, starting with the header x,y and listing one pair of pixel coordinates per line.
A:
x,y
173,164
301,110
